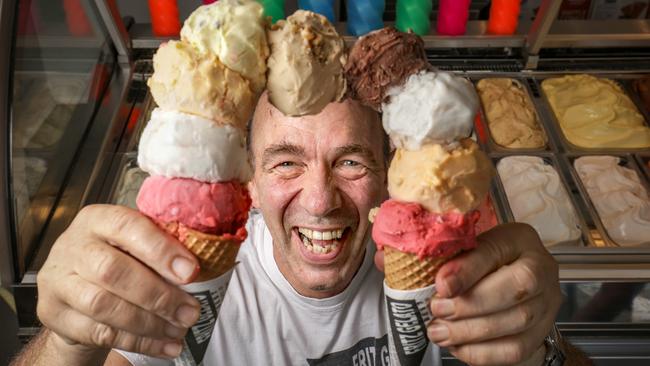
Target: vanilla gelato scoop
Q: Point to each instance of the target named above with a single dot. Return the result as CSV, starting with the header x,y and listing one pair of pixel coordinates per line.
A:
x,y
234,30
181,145
188,81
620,199
537,197
441,178
429,108
306,64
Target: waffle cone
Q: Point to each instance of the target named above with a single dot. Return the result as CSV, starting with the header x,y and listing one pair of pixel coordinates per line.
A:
x,y
216,253
405,271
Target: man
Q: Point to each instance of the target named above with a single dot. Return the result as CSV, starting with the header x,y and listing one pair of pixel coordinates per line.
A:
x,y
110,280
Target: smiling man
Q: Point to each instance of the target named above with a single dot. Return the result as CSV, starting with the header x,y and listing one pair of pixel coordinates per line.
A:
x,y
305,290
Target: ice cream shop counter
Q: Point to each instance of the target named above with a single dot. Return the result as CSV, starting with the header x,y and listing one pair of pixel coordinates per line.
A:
x,y
564,117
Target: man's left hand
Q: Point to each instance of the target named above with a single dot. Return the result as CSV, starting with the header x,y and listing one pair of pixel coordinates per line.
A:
x,y
495,304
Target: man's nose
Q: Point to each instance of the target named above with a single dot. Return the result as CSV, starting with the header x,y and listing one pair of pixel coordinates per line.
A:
x,y
320,194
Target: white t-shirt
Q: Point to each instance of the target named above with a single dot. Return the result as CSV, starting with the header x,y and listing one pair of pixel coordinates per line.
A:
x,y
264,321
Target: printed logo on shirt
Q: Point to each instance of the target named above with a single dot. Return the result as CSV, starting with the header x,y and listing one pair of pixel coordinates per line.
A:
x,y
408,330
367,352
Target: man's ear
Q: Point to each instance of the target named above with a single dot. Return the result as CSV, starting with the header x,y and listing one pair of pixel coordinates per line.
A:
x,y
252,189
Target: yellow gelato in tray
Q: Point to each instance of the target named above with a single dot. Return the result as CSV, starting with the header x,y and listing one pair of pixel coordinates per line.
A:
x,y
596,113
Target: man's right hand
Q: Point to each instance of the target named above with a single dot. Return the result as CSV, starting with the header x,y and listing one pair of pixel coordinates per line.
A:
x,y
110,281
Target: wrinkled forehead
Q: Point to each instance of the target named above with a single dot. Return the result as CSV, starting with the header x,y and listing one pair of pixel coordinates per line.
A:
x,y
344,122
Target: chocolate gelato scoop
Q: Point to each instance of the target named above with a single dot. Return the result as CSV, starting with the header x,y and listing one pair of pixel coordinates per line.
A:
x,y
381,59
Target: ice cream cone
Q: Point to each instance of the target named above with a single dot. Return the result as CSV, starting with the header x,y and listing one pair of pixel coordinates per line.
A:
x,y
405,271
216,253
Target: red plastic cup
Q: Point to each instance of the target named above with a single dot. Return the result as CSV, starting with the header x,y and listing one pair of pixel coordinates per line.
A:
x,y
76,19
452,17
27,17
164,18
504,15
207,2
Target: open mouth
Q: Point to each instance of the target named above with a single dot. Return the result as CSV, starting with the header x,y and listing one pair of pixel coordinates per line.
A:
x,y
321,244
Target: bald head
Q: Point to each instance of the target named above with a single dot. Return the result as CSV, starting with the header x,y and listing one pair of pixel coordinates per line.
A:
x,y
349,108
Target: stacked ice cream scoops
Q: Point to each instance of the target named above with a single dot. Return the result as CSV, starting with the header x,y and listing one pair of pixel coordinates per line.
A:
x,y
193,147
438,177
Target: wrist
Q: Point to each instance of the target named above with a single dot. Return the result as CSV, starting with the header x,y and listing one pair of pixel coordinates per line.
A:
x,y
68,353
537,359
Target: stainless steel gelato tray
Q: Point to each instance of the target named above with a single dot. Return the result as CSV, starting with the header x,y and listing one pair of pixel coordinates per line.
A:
x,y
644,163
127,185
577,232
603,236
490,141
548,113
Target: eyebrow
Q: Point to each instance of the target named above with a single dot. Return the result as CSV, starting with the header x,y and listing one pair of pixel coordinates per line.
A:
x,y
279,149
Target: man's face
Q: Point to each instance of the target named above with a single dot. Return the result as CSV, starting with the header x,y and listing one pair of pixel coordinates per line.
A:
x,y
316,178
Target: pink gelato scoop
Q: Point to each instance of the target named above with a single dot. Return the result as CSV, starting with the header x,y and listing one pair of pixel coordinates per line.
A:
x,y
211,208
410,228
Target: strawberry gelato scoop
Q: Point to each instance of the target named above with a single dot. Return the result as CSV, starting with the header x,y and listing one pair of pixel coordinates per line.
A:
x,y
211,208
410,228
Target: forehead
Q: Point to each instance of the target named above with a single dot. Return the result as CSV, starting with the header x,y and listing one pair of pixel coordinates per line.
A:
x,y
337,125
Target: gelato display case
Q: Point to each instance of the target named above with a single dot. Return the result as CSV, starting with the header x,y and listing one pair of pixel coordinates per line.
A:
x,y
74,102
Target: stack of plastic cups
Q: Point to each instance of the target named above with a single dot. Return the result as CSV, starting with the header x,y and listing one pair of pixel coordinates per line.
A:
x,y
164,18
273,9
365,16
76,19
452,17
28,19
322,7
413,15
504,15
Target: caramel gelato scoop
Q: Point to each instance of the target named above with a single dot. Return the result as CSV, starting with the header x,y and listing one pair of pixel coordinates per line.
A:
x,y
305,68
191,82
441,178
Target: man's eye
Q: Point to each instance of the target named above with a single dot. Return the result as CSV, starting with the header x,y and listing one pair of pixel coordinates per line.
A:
x,y
350,163
286,164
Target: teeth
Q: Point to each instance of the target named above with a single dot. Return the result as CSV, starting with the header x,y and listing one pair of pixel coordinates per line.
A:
x,y
321,235
317,248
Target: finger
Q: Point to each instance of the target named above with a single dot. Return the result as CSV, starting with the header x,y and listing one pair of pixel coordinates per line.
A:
x,y
85,330
507,350
104,307
379,260
497,247
137,235
130,280
509,285
512,321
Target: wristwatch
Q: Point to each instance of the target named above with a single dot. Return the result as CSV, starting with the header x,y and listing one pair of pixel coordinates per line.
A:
x,y
554,354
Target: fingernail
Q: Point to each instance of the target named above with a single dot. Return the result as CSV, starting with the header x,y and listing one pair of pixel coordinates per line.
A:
x,y
174,332
442,308
438,333
187,315
183,268
172,349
